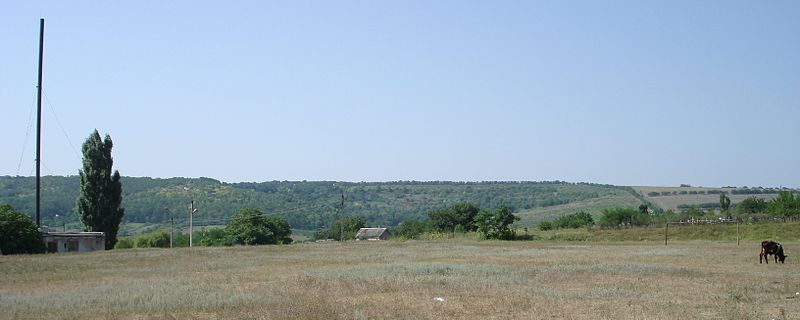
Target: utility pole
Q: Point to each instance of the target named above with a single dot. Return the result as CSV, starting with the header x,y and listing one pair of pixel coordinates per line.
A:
x,y
192,210
171,225
39,125
341,222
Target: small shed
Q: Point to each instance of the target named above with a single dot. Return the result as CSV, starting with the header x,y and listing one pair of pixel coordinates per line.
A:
x,y
373,234
74,241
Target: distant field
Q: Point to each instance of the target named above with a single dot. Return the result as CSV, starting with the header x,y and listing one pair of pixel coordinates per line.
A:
x,y
530,218
673,201
447,279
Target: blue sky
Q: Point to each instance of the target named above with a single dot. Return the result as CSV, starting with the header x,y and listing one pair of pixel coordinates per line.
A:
x,y
620,92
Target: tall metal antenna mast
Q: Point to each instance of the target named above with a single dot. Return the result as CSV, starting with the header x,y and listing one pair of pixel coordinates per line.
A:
x,y
39,126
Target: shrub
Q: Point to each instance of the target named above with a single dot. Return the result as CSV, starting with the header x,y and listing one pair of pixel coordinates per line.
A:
x,y
124,243
250,227
410,229
18,233
574,221
214,237
156,239
495,225
617,217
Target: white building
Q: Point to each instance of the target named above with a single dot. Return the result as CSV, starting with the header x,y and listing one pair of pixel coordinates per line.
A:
x,y
74,241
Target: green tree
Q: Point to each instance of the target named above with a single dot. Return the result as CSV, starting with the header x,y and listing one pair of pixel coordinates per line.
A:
x,y
724,202
618,217
156,239
214,237
495,225
784,206
342,229
573,221
449,219
410,229
250,227
18,233
101,191
751,205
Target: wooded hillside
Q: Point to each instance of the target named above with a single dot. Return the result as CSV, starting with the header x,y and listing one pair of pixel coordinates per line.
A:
x,y
305,204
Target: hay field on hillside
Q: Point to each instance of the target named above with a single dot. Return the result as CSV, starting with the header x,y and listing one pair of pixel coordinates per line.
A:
x,y
447,279
531,217
673,201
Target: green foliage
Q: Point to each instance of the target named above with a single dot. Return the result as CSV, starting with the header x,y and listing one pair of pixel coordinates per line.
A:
x,y
124,243
571,221
157,239
575,220
724,202
250,227
751,205
101,191
459,216
784,206
495,225
342,229
410,229
759,190
304,204
214,237
18,232
619,217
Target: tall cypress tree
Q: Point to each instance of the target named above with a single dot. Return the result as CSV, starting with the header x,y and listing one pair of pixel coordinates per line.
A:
x,y
101,192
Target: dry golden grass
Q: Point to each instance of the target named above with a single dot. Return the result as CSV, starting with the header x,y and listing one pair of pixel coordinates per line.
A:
x,y
673,201
400,280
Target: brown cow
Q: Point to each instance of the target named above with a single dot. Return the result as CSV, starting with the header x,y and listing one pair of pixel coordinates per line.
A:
x,y
773,248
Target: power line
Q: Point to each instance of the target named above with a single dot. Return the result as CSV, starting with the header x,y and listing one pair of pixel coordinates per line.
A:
x,y
27,133
74,150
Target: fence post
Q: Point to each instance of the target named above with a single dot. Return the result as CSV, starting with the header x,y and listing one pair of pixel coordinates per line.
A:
x,y
737,232
666,232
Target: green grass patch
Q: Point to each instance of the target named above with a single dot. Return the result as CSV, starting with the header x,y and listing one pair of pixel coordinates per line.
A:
x,y
789,231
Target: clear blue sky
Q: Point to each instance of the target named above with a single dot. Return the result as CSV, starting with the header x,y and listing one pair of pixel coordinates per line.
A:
x,y
620,92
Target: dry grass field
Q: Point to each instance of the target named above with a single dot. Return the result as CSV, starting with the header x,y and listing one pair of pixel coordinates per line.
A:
x,y
673,201
531,217
402,280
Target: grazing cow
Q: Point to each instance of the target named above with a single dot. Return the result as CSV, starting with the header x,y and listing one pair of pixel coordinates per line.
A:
x,y
773,248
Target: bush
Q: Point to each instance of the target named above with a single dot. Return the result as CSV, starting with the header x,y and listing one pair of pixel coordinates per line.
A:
x,y
214,237
495,225
342,229
448,219
545,225
156,239
250,227
574,221
18,233
618,217
410,229
124,243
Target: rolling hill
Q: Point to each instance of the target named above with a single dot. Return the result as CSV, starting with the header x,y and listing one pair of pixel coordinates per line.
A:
x,y
313,204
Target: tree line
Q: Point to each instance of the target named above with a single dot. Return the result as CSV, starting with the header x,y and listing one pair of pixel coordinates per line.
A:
x,y
786,206
462,218
309,205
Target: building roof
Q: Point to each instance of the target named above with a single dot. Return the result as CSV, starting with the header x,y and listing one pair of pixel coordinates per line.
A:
x,y
371,232
74,234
